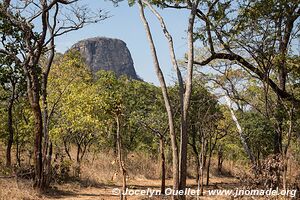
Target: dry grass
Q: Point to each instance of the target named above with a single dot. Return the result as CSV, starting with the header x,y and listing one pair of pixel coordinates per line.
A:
x,y
11,189
103,168
97,179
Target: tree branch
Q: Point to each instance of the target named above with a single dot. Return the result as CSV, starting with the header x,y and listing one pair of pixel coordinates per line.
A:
x,y
234,57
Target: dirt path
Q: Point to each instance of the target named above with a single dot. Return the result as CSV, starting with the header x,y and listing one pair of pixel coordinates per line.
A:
x,y
105,192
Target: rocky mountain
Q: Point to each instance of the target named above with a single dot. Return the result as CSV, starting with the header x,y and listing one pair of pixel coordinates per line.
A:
x,y
103,53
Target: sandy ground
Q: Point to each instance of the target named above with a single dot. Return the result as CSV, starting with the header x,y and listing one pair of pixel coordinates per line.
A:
x,y
105,192
10,189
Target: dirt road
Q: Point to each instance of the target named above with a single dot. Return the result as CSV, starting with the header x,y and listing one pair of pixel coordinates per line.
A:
x,y
109,192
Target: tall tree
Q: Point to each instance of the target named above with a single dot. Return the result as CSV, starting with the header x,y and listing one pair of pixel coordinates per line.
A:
x,y
185,88
168,106
30,45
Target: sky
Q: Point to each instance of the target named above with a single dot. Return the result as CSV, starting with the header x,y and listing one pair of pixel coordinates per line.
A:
x,y
125,24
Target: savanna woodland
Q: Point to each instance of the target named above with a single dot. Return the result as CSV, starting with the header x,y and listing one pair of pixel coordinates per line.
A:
x,y
227,125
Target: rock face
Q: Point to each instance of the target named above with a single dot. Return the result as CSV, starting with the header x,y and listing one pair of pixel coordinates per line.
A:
x,y
103,53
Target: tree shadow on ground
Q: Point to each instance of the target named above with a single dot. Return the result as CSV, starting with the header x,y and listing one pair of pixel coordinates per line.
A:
x,y
58,191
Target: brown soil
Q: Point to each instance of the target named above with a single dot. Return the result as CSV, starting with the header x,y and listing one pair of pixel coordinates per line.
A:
x,y
73,191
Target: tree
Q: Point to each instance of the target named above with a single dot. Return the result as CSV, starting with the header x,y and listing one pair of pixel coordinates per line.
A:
x,y
244,141
11,81
76,120
133,113
255,99
29,45
154,121
114,106
11,78
203,127
271,27
179,163
168,107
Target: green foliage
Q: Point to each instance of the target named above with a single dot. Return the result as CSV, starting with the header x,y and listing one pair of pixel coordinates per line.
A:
x,y
133,102
259,133
74,101
11,36
85,109
23,125
232,147
205,119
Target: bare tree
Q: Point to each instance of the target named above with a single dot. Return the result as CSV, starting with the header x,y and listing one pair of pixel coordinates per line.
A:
x,y
185,89
165,96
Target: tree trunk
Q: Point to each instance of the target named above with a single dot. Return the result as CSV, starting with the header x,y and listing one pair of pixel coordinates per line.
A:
x,y
220,160
285,38
38,141
67,150
120,158
208,166
10,137
33,91
47,148
285,151
18,151
77,167
10,126
47,152
205,154
246,147
278,127
47,175
165,96
38,147
163,166
284,173
176,68
202,165
187,98
115,145
31,71
197,167
197,159
78,153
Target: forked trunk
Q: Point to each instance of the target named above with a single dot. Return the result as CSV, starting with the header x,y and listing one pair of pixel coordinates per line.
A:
x,y
165,96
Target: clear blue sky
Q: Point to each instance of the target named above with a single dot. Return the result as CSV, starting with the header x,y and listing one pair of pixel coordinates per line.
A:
x,y
125,24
